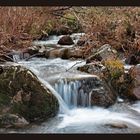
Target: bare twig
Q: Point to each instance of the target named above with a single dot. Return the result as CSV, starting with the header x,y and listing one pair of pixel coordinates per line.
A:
x,y
6,56
37,54
74,65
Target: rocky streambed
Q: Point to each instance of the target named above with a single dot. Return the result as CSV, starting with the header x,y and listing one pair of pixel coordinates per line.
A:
x,y
68,93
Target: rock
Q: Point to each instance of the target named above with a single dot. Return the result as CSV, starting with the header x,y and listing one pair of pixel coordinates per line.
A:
x,y
19,55
22,93
117,125
99,92
103,53
76,53
112,72
64,53
33,50
42,50
135,84
59,52
92,68
114,75
12,120
126,85
65,40
132,60
15,55
102,96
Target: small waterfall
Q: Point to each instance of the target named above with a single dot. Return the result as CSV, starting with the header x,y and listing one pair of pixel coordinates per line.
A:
x,y
16,57
72,93
63,107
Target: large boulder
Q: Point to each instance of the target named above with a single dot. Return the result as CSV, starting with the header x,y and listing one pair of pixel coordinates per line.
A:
x,y
66,40
99,92
22,93
135,84
103,53
123,83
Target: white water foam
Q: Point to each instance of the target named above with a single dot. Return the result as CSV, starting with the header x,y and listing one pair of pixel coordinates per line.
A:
x,y
64,94
95,115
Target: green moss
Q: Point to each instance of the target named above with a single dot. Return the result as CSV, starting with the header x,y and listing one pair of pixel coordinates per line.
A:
x,y
41,104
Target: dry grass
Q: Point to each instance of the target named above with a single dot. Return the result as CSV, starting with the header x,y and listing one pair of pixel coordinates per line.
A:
x,y
117,26
19,25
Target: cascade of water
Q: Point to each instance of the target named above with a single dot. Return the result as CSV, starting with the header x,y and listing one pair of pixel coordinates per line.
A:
x,y
63,107
71,93
16,58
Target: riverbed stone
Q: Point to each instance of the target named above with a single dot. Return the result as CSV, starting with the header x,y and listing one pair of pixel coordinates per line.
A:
x,y
66,40
12,120
64,53
95,68
22,93
105,52
102,95
117,125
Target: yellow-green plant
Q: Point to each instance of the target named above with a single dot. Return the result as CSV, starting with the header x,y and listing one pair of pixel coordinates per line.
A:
x,y
115,68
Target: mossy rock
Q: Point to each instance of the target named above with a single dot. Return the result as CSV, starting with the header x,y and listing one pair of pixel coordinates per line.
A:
x,y
22,91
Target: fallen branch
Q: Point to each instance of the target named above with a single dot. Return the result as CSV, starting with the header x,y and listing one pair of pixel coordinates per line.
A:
x,y
6,56
74,65
37,54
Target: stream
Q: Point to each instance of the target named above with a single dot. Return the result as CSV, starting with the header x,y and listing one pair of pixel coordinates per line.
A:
x,y
75,113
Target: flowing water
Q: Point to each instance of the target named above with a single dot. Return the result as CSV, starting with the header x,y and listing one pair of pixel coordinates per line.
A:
x,y
75,114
